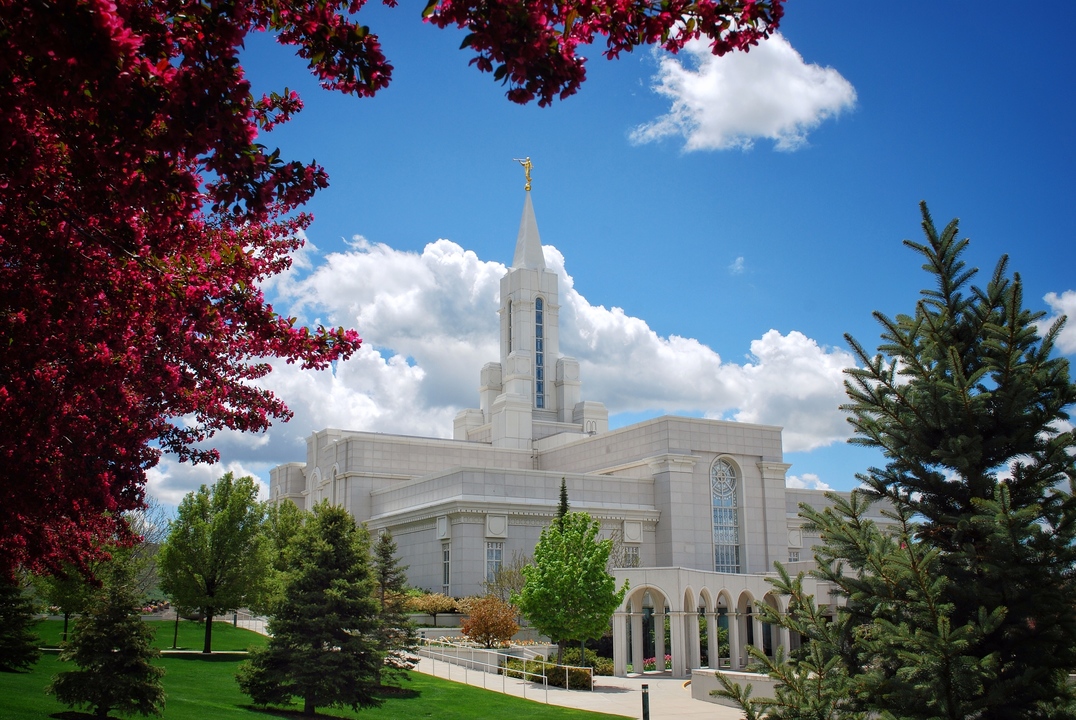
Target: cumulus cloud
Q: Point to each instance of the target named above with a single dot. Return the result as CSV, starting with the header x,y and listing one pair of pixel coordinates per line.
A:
x,y
720,103
171,480
429,322
736,267
807,481
1063,304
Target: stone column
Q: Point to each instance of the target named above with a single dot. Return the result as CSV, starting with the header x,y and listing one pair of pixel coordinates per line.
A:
x,y
734,641
681,650
713,640
756,618
637,646
620,643
784,639
659,639
691,635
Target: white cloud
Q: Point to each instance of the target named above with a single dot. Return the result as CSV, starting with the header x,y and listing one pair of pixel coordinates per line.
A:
x,y
171,479
807,481
727,102
1063,304
429,322
736,267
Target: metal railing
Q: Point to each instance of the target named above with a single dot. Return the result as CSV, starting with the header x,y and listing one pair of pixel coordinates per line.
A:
x,y
487,662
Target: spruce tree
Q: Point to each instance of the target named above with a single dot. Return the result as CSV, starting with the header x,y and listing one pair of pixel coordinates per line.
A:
x,y
18,641
323,644
562,506
113,649
396,632
963,606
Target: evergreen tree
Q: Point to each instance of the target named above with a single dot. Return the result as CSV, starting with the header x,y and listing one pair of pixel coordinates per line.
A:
x,y
562,506
396,632
113,650
964,607
323,645
215,558
18,641
568,594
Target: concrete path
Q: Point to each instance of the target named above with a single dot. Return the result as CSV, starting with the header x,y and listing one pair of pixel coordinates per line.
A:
x,y
669,698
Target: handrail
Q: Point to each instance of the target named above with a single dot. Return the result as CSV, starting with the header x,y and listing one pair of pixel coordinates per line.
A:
x,y
449,652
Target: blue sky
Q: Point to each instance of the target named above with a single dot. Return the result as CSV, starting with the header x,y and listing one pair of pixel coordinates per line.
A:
x,y
719,224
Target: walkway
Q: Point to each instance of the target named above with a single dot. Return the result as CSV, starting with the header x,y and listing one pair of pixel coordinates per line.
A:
x,y
669,698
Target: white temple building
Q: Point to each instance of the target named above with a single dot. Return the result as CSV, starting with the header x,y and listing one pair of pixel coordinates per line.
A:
x,y
700,507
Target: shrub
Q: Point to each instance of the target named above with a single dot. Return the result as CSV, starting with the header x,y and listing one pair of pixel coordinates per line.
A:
x,y
601,665
578,679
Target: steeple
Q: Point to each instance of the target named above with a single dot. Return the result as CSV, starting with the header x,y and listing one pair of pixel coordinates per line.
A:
x,y
528,243
533,392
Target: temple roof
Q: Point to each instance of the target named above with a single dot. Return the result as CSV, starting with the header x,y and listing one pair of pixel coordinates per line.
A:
x,y
528,244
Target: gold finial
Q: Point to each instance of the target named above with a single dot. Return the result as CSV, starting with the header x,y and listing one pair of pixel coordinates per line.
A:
x,y
527,165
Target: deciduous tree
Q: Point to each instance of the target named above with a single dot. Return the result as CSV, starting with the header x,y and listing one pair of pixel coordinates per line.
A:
x,y
323,644
568,594
216,557
283,520
963,608
434,604
489,621
140,211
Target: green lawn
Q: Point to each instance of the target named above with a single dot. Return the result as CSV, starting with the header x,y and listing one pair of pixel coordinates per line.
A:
x,y
191,635
200,686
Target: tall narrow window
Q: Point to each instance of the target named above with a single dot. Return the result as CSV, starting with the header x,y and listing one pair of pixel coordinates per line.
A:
x,y
539,354
446,568
509,326
726,517
494,557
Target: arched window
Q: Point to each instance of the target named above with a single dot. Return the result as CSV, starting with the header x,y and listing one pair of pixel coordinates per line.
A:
x,y
539,354
726,517
509,326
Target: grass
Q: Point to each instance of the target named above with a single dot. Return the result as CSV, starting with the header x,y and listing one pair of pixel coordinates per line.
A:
x,y
200,686
191,635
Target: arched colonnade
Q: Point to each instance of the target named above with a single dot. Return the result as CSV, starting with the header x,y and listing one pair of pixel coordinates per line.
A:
x,y
678,612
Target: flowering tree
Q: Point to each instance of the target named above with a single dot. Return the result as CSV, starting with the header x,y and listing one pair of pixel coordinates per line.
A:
x,y
490,621
531,45
139,214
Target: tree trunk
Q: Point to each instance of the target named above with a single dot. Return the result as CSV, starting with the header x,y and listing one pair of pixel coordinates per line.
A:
x,y
67,616
308,705
208,631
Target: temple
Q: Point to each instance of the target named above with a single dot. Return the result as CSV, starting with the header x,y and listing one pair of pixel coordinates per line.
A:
x,y
699,508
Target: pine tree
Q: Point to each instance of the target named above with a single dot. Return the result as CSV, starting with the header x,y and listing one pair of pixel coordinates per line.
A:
x,y
562,506
18,642
323,644
963,608
113,649
396,632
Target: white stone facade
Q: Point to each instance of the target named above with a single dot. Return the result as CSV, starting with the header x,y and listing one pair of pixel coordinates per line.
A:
x,y
686,496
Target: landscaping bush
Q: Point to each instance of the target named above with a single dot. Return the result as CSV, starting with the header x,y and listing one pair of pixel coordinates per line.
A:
x,y
535,670
601,665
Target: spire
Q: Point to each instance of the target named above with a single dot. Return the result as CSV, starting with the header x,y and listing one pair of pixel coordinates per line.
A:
x,y
528,244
